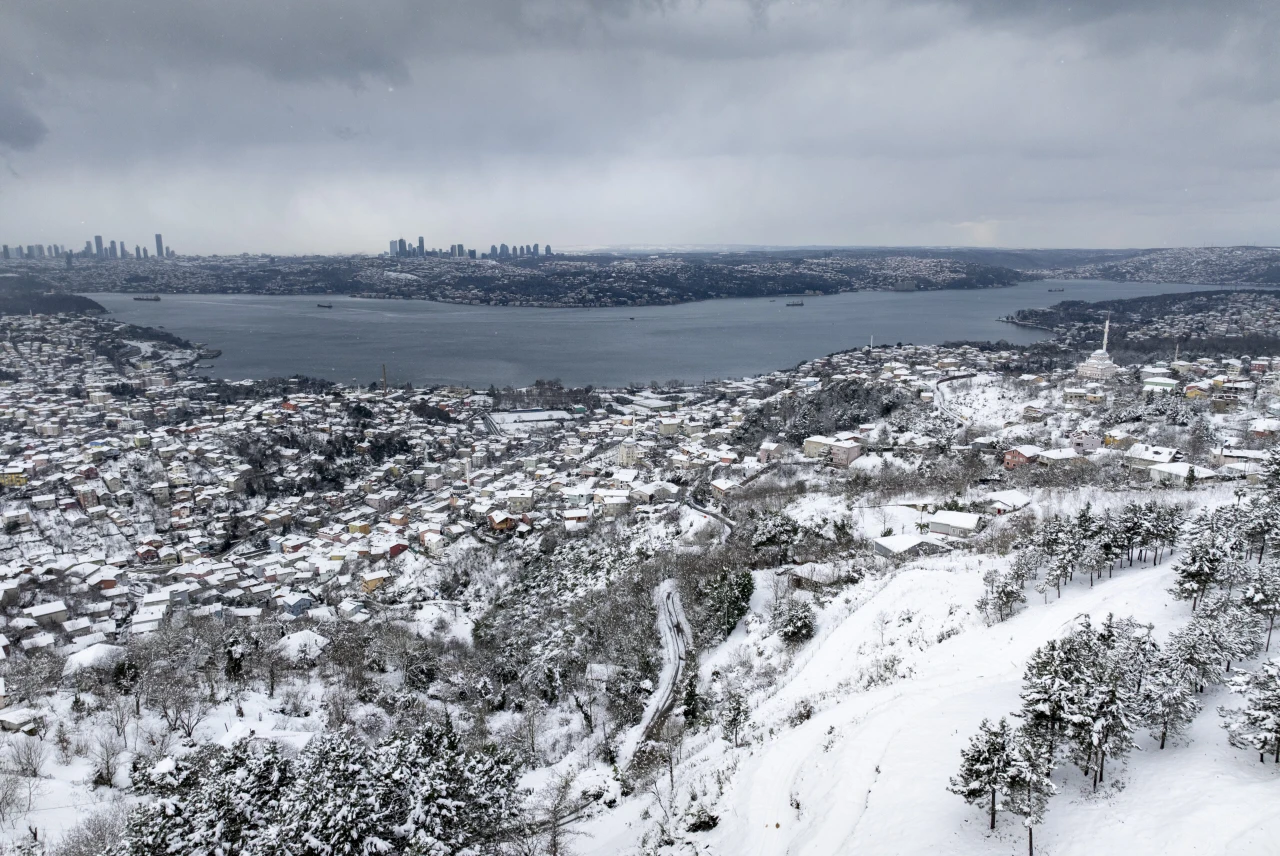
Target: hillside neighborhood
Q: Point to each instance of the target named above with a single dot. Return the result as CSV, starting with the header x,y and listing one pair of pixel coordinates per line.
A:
x,y
273,530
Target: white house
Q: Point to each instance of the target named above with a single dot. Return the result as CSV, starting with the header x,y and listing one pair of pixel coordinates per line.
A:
x,y
960,524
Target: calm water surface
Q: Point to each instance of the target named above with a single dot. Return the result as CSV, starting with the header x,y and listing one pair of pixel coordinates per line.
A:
x,y
430,343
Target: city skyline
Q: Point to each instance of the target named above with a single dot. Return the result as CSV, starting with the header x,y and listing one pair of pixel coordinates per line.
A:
x,y
981,122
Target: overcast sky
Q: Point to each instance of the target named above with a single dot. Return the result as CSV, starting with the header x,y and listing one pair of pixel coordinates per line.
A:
x,y
282,126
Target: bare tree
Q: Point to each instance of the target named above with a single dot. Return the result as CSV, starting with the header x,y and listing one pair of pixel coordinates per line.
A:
x,y
339,707
26,756
119,713
12,798
183,709
104,753
546,831
97,834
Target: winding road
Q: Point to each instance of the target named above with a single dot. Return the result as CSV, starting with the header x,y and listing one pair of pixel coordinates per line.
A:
x,y
677,638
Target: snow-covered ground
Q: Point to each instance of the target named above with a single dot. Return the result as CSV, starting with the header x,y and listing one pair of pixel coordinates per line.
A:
x,y
868,772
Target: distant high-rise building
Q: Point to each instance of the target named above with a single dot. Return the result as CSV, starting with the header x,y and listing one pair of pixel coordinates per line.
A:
x,y
392,251
159,246
400,247
535,250
422,246
5,252
97,243
68,256
137,252
112,252
503,251
548,249
471,254
145,255
462,251
493,251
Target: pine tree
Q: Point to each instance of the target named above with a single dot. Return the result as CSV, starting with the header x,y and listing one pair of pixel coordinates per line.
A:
x,y
1262,594
1029,787
734,714
1257,724
984,767
1167,703
1199,568
337,805
1195,648
730,599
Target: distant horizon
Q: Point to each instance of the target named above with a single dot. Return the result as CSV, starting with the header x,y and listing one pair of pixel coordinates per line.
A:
x,y
678,248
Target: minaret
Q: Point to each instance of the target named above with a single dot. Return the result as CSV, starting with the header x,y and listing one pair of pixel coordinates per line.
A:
x,y
1106,331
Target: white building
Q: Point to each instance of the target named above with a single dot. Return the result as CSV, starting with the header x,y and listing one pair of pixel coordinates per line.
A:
x,y
1099,365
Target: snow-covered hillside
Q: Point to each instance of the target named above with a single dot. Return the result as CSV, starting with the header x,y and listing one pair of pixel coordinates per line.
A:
x,y
868,771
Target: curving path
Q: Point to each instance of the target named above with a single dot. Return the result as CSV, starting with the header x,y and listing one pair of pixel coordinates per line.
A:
x,y
677,639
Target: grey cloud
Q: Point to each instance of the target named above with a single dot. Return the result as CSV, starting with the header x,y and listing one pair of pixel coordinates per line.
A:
x,y
663,120
20,128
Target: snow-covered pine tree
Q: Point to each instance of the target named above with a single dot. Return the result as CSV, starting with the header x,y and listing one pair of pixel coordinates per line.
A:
x,y
1103,723
1199,568
734,714
1167,702
983,778
236,803
1029,787
445,798
1050,691
730,598
793,620
1196,647
338,805
1257,725
1237,629
1262,594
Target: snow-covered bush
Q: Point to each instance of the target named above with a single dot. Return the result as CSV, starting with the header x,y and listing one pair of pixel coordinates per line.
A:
x,y
793,620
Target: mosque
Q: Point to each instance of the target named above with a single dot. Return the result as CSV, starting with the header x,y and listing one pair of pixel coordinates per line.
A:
x,y
1099,365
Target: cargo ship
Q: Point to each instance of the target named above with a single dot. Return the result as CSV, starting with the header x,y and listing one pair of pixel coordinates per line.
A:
x,y
155,298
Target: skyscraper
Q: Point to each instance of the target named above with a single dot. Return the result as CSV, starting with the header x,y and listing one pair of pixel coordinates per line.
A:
x,y
400,247
535,250
145,254
137,252
422,246
112,252
97,243
6,252
392,251
159,246
548,249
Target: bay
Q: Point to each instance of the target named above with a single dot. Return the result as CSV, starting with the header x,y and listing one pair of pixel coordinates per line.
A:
x,y
434,343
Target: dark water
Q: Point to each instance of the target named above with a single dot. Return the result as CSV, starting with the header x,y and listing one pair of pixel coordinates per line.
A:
x,y
428,342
